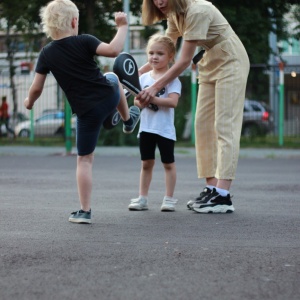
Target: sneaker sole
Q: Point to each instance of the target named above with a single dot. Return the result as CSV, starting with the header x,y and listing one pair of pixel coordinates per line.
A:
x,y
80,221
116,119
131,131
137,209
165,209
190,206
220,209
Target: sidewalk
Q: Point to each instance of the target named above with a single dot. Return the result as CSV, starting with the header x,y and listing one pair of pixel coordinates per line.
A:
x,y
134,151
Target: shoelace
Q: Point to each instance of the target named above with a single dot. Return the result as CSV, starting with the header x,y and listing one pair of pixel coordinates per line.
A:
x,y
170,201
136,200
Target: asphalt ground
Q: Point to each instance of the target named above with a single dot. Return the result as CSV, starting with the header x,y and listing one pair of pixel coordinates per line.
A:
x,y
253,253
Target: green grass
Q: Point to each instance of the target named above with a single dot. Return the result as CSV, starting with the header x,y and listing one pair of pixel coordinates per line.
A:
x,y
53,141
270,142
256,142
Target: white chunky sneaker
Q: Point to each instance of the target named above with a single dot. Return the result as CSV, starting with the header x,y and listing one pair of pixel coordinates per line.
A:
x,y
139,203
168,204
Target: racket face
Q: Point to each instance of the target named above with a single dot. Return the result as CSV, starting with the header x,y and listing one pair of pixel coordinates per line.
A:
x,y
126,68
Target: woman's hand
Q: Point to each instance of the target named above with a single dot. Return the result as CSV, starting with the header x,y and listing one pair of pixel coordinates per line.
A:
x,y
146,96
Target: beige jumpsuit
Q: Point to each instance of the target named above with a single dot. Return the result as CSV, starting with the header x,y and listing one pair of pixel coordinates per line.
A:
x,y
223,73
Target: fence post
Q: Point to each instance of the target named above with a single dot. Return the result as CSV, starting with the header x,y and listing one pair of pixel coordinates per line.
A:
x,y
281,104
31,137
68,129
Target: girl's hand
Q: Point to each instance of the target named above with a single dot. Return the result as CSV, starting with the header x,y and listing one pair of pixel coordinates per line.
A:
x,y
121,19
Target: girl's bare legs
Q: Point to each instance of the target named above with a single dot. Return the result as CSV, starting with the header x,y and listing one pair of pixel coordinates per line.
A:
x,y
84,180
146,176
170,179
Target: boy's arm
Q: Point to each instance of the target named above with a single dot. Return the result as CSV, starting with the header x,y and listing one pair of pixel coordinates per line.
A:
x,y
35,90
114,48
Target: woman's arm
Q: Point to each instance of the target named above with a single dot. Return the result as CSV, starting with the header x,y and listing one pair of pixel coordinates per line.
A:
x,y
144,69
187,53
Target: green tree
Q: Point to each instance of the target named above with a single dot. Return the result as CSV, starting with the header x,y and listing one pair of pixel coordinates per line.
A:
x,y
18,24
253,20
295,11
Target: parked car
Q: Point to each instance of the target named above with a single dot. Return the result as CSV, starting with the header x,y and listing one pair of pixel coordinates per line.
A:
x,y
258,118
46,125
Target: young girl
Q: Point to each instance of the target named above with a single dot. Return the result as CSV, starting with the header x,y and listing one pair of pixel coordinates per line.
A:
x,y
92,95
157,127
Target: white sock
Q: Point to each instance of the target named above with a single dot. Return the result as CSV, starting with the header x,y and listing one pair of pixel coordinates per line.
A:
x,y
222,192
210,187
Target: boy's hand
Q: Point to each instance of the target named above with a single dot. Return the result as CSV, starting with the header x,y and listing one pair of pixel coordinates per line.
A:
x,y
121,19
27,104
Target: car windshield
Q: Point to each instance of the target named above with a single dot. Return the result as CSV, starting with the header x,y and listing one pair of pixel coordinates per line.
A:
x,y
59,115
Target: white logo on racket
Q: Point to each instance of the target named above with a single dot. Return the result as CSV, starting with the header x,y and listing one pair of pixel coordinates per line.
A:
x,y
129,67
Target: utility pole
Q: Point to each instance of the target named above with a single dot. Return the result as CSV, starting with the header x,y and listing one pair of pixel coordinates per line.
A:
x,y
273,74
126,10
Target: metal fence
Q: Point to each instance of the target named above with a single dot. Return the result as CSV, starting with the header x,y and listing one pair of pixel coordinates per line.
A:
x,y
261,116
265,85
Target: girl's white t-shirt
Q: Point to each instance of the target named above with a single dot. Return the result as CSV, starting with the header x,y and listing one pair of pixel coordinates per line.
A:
x,y
160,122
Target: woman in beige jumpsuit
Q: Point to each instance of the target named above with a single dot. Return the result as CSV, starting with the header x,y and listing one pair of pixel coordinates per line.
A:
x,y
223,73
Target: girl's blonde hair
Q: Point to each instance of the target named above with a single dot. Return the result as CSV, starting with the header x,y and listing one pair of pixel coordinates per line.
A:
x,y
57,16
151,14
166,41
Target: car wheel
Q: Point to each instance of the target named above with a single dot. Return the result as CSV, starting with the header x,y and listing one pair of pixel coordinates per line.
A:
x,y
24,133
60,131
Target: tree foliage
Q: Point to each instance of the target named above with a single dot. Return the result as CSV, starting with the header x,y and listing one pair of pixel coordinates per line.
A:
x,y
253,20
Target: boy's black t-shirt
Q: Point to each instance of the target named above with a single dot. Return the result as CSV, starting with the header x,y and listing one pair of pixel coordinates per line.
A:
x,y
71,61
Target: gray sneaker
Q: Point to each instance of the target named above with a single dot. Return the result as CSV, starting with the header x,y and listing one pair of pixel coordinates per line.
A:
x,y
139,203
168,204
80,217
206,191
135,114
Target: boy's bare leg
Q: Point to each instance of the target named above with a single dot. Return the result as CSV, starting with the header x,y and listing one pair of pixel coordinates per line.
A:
x,y
123,105
84,180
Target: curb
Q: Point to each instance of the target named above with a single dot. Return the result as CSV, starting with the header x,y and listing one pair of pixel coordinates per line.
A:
x,y
134,151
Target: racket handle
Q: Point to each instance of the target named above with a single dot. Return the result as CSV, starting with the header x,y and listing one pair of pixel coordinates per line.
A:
x,y
153,107
127,93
